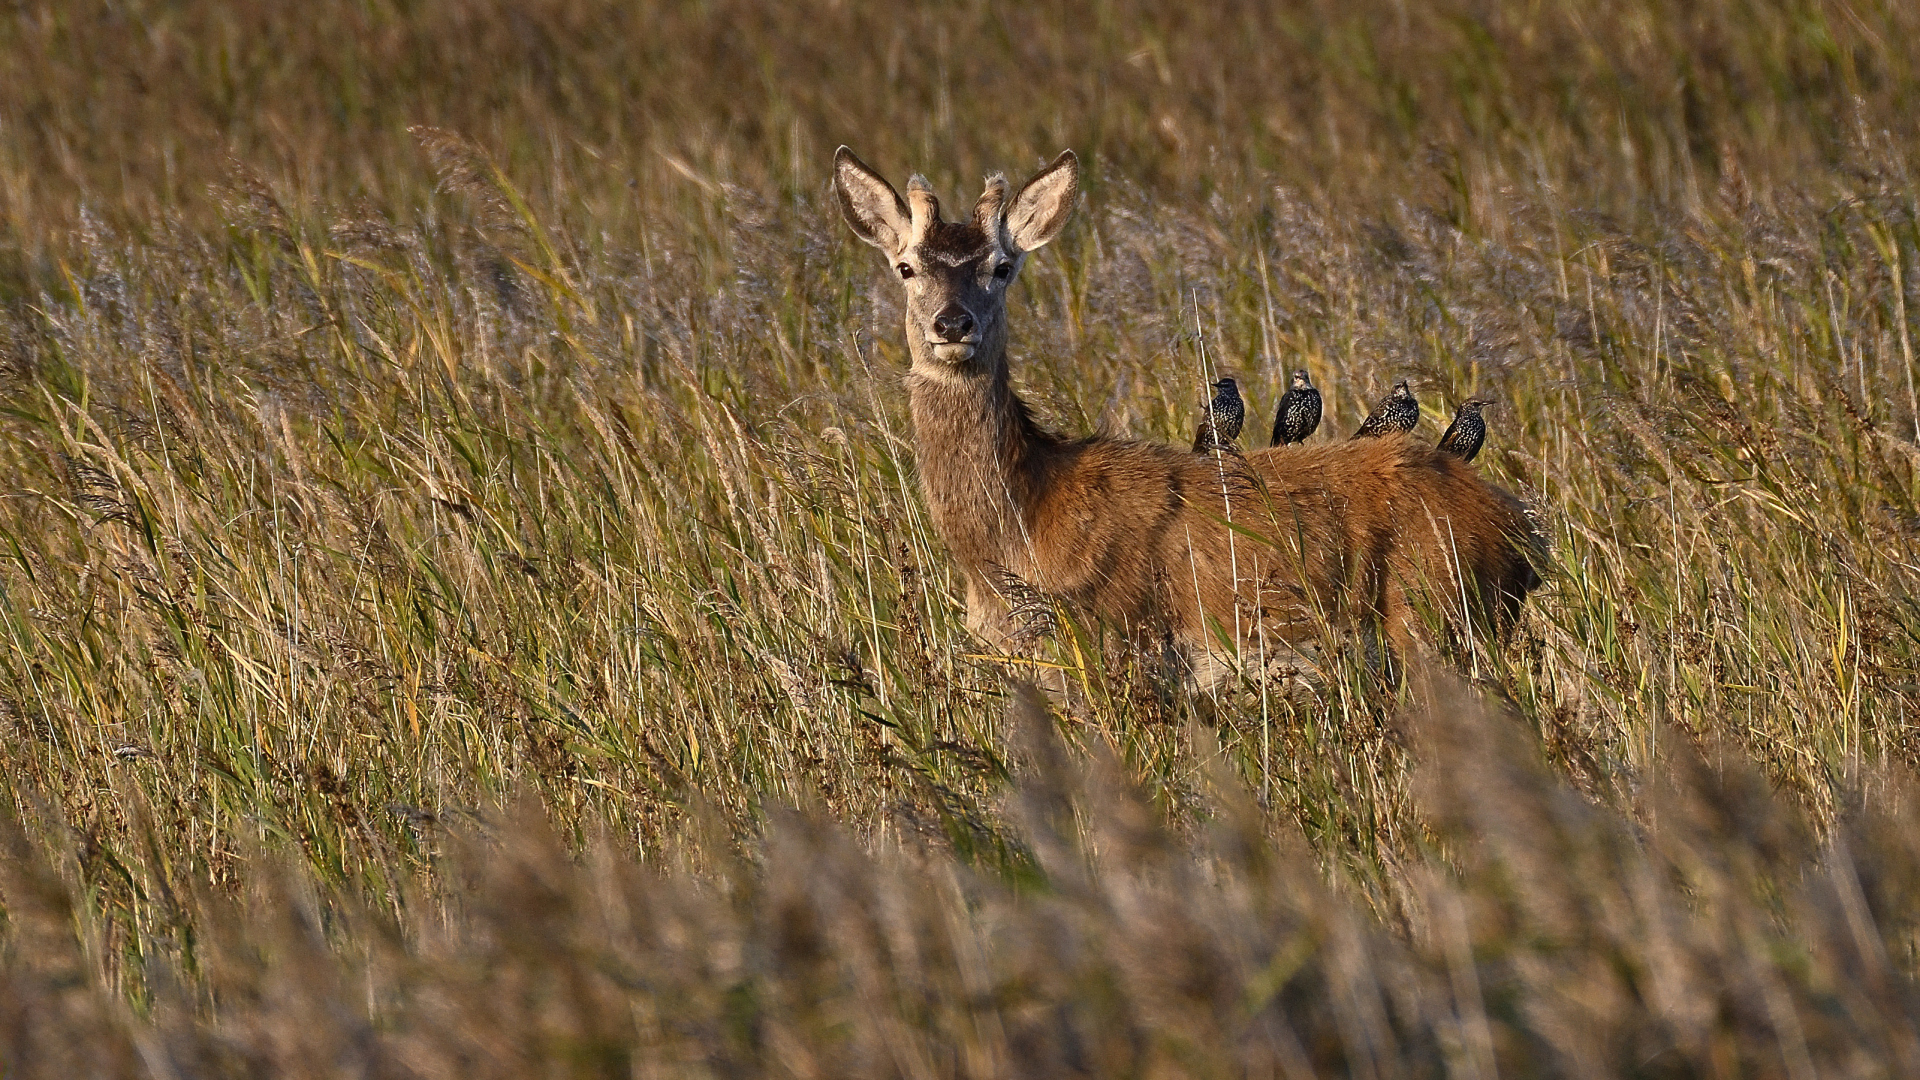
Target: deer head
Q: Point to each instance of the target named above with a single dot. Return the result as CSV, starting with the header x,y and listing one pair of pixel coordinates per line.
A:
x,y
956,274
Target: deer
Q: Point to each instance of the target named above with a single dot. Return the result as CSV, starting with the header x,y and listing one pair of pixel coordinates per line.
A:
x,y
1214,553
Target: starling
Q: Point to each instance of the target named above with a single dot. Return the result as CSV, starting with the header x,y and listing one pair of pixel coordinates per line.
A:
x,y
1468,430
1221,425
1299,412
1396,412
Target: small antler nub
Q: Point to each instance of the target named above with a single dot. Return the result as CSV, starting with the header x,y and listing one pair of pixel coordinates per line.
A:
x,y
924,206
987,211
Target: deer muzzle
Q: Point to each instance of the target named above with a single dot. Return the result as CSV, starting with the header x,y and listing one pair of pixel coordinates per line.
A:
x,y
955,335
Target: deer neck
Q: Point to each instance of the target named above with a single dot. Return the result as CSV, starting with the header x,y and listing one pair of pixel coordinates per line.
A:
x,y
980,456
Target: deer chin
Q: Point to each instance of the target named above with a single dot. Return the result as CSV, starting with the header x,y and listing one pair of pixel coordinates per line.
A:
x,y
952,352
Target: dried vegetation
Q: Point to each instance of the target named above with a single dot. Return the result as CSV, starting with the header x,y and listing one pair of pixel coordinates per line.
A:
x,y
411,411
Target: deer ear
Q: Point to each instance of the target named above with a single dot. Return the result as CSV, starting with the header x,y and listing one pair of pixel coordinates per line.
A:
x,y
870,205
1041,207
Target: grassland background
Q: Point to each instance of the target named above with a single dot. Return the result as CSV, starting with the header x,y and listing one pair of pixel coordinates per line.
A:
x,y
413,409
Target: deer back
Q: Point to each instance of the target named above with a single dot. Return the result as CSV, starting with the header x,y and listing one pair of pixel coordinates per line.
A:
x,y
1278,543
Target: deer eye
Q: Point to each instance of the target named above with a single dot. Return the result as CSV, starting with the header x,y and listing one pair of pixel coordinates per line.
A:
x,y
1003,271
905,271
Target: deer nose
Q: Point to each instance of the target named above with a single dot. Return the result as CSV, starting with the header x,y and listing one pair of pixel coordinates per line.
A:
x,y
953,323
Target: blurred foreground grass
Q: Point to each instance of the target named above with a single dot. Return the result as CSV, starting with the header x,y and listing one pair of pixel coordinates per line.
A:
x,y
410,410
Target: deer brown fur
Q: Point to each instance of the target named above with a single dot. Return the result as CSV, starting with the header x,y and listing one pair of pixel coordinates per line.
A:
x,y
1352,535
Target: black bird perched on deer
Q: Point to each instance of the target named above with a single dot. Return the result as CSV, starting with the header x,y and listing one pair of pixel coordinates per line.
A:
x,y
1299,412
1397,411
1221,425
1468,430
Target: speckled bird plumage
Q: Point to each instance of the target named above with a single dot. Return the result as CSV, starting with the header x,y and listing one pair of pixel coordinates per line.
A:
x,y
1467,432
1226,414
1398,411
1299,413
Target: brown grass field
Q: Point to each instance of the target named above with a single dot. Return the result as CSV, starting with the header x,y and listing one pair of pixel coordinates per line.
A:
x,y
466,608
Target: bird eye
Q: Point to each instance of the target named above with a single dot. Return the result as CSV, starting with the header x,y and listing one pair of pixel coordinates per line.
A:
x,y
1003,271
905,271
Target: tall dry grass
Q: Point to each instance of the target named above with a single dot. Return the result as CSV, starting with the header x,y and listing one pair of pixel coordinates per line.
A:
x,y
409,410
1709,936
